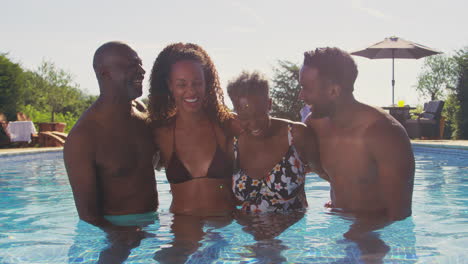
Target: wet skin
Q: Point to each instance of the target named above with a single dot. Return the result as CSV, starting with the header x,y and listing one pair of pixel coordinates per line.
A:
x,y
196,139
365,152
264,140
188,232
108,153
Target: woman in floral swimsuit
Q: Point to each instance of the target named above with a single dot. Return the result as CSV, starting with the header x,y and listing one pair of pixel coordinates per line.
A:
x,y
271,155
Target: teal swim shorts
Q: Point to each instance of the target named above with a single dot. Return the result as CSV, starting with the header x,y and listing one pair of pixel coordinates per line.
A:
x,y
133,219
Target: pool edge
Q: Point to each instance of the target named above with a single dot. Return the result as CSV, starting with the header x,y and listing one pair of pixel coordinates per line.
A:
x,y
444,146
19,151
15,152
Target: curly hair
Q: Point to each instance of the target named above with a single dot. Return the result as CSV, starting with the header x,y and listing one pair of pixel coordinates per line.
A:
x,y
162,107
248,84
334,64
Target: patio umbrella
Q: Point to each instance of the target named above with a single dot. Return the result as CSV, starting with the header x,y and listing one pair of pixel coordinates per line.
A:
x,y
395,47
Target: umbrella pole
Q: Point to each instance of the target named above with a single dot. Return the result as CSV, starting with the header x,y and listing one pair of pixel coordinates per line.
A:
x,y
393,77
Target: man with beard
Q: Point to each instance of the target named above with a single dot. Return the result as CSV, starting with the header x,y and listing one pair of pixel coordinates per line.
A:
x,y
109,152
365,152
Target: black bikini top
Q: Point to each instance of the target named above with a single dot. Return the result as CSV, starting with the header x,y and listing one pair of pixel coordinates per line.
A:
x,y
220,167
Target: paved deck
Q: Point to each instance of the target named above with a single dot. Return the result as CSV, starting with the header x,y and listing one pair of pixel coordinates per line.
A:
x,y
458,144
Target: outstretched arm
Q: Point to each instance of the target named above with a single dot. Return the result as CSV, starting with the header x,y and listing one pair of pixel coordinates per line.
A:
x,y
391,150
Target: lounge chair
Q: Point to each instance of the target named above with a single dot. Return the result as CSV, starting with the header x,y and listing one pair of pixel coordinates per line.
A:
x,y
52,135
427,124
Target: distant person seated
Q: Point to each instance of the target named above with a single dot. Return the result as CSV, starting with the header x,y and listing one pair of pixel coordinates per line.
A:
x,y
271,154
109,151
20,116
3,118
364,151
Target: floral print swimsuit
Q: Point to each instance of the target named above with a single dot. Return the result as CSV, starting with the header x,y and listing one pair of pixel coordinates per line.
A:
x,y
280,190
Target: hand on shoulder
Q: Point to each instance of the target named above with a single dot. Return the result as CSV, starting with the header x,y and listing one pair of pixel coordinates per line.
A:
x,y
306,144
140,109
140,106
233,126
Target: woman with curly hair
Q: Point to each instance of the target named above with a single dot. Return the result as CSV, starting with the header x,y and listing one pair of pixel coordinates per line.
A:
x,y
189,117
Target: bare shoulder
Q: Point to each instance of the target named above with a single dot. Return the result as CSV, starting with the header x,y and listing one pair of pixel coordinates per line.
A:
x,y
163,131
86,126
300,131
232,126
163,136
383,131
281,124
82,137
382,123
299,128
317,124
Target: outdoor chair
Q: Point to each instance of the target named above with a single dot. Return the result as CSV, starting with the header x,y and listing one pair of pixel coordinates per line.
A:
x,y
427,124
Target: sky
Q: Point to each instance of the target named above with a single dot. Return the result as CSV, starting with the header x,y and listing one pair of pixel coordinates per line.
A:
x,y
238,35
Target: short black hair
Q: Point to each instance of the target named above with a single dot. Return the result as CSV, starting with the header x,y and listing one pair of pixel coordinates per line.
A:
x,y
248,84
334,65
106,49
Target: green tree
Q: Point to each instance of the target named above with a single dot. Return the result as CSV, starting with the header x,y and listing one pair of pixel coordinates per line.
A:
x,y
285,91
36,105
55,89
77,107
47,94
451,108
437,75
11,87
461,91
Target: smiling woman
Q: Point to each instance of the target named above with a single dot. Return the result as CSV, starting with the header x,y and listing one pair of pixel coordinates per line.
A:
x,y
271,155
189,116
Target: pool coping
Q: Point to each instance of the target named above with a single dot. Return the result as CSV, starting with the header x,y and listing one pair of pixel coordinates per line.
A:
x,y
21,151
420,143
447,144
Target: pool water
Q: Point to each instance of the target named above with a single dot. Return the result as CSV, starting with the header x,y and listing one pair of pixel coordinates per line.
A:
x,y
39,223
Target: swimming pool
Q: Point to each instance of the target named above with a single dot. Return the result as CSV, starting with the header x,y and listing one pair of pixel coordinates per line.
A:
x,y
39,223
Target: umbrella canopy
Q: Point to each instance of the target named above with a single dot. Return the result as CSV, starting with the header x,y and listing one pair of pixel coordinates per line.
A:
x,y
395,47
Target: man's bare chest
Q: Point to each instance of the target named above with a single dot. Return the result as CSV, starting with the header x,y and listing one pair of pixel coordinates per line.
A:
x,y
123,150
343,155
